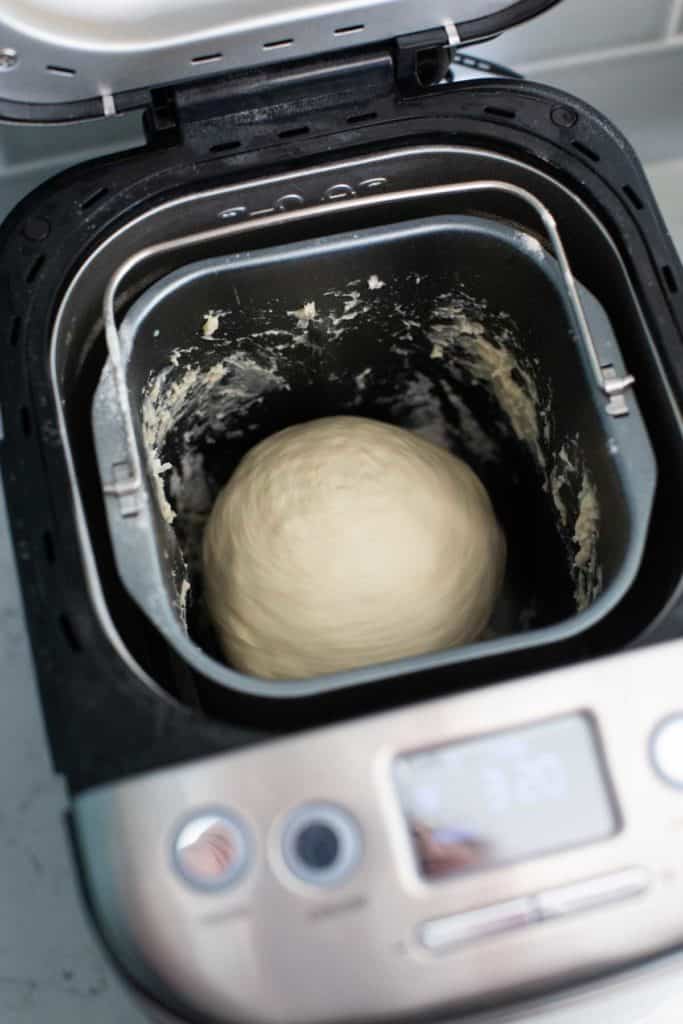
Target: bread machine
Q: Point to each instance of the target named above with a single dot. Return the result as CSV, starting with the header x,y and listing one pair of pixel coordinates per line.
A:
x,y
328,212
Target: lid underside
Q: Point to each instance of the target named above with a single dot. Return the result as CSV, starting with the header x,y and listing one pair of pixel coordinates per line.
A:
x,y
56,53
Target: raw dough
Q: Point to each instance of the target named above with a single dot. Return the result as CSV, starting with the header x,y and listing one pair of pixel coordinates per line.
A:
x,y
345,542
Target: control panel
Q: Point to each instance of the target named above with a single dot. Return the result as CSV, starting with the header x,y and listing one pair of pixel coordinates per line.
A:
x,y
443,855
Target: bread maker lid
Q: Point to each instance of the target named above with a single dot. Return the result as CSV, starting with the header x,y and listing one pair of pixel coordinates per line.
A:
x,y
82,55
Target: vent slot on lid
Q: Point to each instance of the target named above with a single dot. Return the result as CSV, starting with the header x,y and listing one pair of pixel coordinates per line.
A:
x,y
361,118
292,133
26,422
35,268
669,279
500,112
70,634
15,331
587,151
225,147
94,198
208,58
633,197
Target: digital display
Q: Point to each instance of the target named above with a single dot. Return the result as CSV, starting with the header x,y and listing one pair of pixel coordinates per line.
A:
x,y
505,797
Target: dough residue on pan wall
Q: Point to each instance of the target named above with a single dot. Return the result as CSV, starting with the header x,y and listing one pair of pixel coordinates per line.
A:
x,y
157,470
443,353
211,324
200,398
587,573
461,337
456,336
575,498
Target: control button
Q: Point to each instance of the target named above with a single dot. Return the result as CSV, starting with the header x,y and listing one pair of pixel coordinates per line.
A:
x,y
321,844
596,892
445,932
317,846
211,850
667,749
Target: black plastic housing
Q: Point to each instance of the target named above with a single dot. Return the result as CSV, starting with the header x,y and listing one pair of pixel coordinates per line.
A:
x,y
102,722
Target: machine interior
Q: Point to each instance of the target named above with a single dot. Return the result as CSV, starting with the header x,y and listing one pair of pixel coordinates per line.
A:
x,y
538,593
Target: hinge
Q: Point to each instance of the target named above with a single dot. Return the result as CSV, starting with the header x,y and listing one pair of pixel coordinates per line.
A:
x,y
423,58
161,118
281,105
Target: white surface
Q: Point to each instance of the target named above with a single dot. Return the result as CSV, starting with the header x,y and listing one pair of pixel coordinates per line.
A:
x,y
638,88
666,178
667,750
51,965
31,155
625,57
577,27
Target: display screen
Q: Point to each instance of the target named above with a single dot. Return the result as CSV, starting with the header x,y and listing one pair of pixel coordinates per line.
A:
x,y
505,797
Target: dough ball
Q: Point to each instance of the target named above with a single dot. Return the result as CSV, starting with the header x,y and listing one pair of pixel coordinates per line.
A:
x,y
345,542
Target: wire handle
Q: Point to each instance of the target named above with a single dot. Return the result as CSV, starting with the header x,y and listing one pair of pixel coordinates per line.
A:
x,y
131,481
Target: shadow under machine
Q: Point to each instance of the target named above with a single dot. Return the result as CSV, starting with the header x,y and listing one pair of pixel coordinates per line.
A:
x,y
327,219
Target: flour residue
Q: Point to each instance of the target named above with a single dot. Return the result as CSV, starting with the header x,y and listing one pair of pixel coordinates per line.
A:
x,y
575,498
201,398
561,473
476,441
418,408
459,336
157,469
451,370
210,325
304,315
586,533
183,594
462,335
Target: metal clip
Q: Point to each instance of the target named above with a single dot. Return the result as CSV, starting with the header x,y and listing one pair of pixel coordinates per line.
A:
x,y
454,40
122,485
108,105
614,387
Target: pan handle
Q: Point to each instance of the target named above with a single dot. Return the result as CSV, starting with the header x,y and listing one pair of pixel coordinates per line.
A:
x,y
129,480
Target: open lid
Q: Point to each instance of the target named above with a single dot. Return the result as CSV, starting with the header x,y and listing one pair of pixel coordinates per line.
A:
x,y
87,58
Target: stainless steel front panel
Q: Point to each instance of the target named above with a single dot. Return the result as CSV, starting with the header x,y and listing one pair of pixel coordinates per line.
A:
x,y
274,948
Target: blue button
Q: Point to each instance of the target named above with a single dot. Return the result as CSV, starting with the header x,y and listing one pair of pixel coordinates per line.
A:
x,y
321,844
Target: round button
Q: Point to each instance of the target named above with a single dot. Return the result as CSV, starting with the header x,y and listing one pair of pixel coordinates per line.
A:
x,y
564,117
321,844
317,846
667,749
211,850
36,229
